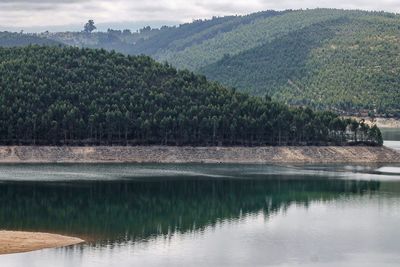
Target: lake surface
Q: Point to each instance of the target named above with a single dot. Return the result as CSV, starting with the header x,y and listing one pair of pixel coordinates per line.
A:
x,y
205,215
391,137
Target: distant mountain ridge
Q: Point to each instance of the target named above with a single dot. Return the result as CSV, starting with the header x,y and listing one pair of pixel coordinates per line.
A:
x,y
13,39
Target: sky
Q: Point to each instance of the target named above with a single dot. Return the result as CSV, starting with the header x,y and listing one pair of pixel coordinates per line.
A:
x,y
41,15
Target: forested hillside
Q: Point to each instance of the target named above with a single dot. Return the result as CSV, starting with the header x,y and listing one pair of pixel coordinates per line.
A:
x,y
54,95
345,64
266,69
11,39
158,41
339,60
246,36
122,41
171,40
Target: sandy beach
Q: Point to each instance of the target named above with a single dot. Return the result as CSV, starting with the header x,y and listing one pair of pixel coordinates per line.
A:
x,y
16,242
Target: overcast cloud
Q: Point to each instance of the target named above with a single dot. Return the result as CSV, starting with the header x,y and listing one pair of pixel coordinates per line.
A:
x,y
42,13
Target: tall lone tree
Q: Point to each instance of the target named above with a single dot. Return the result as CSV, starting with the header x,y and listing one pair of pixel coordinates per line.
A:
x,y
89,26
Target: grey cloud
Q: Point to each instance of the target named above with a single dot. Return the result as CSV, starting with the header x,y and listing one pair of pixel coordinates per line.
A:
x,y
41,1
32,8
42,6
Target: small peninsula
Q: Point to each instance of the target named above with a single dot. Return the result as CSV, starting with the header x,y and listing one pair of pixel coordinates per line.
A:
x,y
17,242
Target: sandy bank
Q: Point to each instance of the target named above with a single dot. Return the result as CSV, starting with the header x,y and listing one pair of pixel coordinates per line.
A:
x,y
387,123
167,154
380,122
15,242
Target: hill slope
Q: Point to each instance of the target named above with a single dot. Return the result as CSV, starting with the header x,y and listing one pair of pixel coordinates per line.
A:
x,y
244,37
339,60
330,59
11,39
53,95
158,41
348,64
171,41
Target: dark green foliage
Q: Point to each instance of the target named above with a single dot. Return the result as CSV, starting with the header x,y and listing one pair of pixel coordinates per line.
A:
x,y
245,37
152,41
53,95
10,39
346,64
267,68
339,60
190,34
375,134
168,35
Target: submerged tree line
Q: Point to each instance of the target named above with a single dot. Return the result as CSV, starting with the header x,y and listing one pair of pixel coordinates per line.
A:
x,y
59,96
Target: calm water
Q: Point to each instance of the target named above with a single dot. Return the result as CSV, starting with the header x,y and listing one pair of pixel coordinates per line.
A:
x,y
206,215
391,137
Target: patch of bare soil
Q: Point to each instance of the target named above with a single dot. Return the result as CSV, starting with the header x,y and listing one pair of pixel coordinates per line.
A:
x,y
16,242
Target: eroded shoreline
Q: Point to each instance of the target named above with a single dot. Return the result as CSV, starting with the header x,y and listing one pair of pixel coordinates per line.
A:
x,y
389,123
17,242
171,154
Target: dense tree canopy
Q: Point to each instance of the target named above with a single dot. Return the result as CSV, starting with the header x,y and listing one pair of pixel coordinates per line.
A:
x,y
348,64
54,95
339,60
152,41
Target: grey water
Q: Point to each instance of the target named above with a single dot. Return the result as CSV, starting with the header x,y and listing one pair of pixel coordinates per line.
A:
x,y
205,214
391,137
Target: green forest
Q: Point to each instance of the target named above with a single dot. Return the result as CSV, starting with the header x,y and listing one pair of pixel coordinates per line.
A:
x,y
154,41
55,96
345,61
344,65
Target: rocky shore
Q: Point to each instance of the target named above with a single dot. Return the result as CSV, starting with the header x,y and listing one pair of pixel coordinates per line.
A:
x,y
169,154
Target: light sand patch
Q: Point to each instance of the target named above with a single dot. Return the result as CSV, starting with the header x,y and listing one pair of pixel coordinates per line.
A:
x,y
16,242
380,122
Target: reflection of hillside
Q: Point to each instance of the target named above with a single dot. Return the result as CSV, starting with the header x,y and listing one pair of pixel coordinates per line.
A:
x,y
134,210
390,188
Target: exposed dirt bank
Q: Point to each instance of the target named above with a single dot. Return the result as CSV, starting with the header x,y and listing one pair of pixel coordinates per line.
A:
x,y
381,122
166,154
387,123
16,242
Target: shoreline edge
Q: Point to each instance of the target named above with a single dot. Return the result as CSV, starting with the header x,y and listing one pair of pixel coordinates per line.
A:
x,y
172,154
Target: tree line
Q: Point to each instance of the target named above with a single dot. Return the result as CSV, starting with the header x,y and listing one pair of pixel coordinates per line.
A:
x,y
73,96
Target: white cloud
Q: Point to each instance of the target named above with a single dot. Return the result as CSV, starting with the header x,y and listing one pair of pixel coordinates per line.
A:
x,y
28,13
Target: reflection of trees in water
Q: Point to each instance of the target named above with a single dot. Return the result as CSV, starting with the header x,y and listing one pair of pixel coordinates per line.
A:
x,y
135,210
